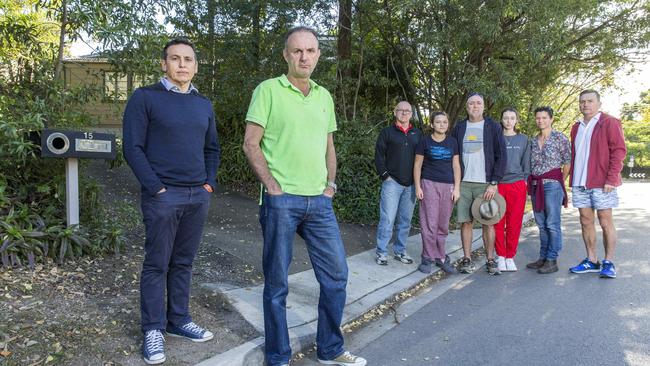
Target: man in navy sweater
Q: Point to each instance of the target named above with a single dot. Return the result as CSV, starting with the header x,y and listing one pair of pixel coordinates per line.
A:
x,y
170,143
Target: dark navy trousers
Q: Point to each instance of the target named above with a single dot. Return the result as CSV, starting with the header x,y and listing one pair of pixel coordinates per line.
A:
x,y
174,223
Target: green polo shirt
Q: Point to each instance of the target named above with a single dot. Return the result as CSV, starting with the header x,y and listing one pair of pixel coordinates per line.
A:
x,y
295,133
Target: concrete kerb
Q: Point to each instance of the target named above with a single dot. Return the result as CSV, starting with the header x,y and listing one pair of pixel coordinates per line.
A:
x,y
363,297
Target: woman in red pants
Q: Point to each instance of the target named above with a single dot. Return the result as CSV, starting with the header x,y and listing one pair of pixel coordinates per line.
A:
x,y
513,188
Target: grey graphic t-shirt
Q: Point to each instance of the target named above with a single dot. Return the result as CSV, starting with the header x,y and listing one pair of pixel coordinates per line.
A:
x,y
473,154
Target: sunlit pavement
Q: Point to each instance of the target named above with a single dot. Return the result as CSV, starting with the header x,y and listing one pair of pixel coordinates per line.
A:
x,y
525,318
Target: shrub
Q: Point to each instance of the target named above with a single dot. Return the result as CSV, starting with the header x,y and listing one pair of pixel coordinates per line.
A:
x,y
357,200
32,209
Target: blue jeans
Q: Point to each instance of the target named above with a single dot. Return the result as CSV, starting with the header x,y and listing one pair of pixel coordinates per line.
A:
x,y
173,223
312,217
395,209
549,221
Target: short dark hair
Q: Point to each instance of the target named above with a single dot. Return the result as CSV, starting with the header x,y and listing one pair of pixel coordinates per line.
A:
x,y
590,91
175,41
472,94
300,28
546,109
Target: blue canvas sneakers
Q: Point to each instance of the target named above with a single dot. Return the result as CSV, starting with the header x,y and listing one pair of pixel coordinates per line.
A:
x,y
608,270
153,348
190,331
586,266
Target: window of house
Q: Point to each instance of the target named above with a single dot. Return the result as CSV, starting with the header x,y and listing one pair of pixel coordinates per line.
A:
x,y
140,80
116,86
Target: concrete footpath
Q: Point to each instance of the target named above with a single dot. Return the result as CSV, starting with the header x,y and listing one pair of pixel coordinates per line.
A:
x,y
524,318
368,286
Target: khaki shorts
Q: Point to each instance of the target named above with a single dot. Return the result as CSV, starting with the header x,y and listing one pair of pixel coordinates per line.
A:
x,y
468,192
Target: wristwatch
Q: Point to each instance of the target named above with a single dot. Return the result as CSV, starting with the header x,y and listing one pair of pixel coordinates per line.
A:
x,y
494,183
332,185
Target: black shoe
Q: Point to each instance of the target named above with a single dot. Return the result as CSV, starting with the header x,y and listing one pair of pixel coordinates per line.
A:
x,y
445,265
466,265
492,267
549,266
536,264
425,266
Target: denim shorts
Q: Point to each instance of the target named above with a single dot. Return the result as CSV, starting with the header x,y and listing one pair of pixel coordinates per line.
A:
x,y
594,198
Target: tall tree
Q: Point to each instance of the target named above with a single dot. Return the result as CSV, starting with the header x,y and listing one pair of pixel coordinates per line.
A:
x,y
512,52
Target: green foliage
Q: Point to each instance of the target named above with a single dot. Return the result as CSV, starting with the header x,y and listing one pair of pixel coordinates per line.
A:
x,y
32,210
636,126
522,54
357,199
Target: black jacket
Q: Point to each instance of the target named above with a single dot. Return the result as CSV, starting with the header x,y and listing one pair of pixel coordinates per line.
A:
x,y
395,154
494,148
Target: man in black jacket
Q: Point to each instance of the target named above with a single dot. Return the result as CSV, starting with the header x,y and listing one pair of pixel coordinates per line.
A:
x,y
394,158
482,148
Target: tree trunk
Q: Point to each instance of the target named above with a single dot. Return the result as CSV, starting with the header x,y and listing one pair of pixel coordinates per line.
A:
x,y
344,41
212,42
64,22
257,39
344,55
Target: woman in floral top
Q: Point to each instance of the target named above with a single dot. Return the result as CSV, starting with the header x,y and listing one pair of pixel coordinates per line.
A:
x,y
549,162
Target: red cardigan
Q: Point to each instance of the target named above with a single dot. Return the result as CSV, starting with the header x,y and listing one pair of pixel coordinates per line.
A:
x,y
606,154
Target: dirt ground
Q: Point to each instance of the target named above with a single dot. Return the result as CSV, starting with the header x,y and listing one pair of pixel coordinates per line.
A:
x,y
86,312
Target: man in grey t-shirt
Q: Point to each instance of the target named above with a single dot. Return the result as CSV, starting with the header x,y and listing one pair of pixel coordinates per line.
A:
x,y
473,155
483,165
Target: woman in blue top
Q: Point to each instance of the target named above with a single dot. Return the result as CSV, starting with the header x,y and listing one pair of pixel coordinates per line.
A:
x,y
436,173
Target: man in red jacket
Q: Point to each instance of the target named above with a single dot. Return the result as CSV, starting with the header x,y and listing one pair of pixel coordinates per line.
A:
x,y
597,153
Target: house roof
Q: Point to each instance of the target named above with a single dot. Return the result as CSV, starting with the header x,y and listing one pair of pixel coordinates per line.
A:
x,y
91,58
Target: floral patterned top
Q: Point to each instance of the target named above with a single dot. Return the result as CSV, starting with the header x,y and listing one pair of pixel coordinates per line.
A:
x,y
555,153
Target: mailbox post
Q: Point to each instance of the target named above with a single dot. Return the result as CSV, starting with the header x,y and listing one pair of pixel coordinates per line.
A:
x,y
73,145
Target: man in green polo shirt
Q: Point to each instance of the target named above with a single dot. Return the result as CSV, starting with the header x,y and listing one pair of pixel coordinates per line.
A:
x,y
289,144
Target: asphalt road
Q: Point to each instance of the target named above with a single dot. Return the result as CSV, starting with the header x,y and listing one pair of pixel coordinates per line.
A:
x,y
525,318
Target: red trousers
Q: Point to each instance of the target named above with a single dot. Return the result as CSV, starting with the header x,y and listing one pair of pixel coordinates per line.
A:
x,y
508,229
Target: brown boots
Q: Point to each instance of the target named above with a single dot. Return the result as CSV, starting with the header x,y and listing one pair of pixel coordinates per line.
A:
x,y
544,266
536,264
549,266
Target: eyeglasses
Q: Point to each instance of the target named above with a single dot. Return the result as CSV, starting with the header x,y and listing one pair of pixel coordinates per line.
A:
x,y
405,111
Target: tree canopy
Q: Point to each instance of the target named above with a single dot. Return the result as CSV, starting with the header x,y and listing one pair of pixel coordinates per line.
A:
x,y
520,53
636,125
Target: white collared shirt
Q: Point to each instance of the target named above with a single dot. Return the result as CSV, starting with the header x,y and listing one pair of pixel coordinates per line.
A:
x,y
582,149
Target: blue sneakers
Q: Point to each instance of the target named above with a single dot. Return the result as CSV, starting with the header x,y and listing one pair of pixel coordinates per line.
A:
x,y
586,266
153,349
190,331
609,270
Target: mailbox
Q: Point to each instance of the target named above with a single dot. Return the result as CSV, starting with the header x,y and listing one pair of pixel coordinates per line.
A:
x,y
73,145
77,144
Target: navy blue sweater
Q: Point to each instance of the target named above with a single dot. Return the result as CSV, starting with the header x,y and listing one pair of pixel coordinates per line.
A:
x,y
494,147
170,139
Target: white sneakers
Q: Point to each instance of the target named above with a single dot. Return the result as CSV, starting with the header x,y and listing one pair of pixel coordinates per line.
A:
x,y
501,263
506,264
